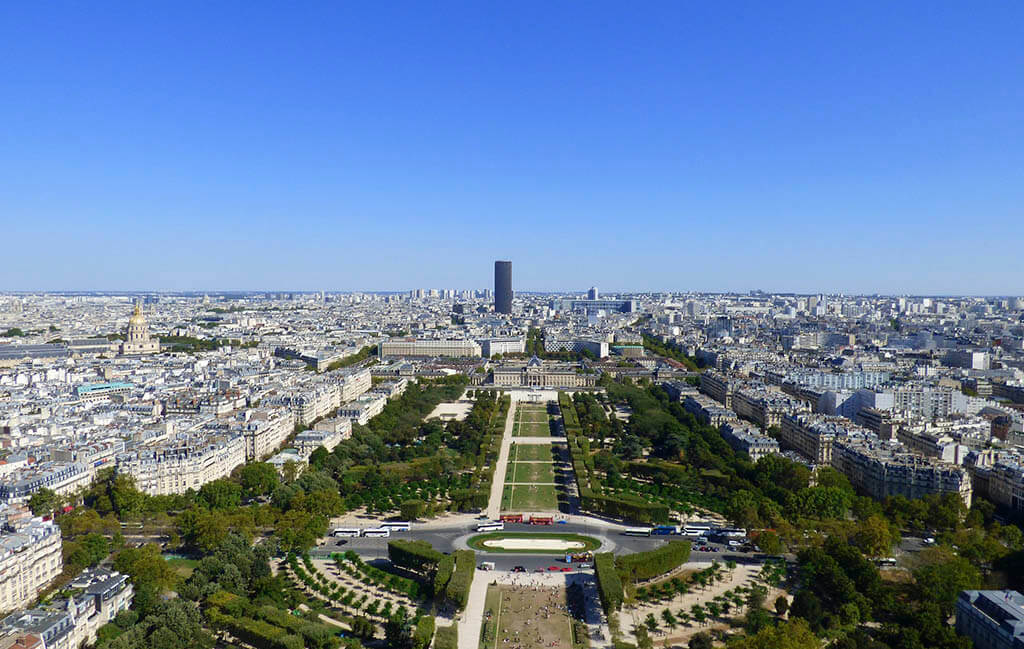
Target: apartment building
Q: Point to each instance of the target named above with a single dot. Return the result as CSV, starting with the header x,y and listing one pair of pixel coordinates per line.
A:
x,y
708,411
764,406
183,463
812,435
885,468
72,623
363,409
744,438
429,348
30,557
717,386
265,430
328,433
60,477
992,619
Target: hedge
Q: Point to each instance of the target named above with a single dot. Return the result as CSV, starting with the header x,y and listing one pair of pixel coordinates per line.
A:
x,y
424,632
458,586
255,632
609,585
446,637
445,567
414,555
645,565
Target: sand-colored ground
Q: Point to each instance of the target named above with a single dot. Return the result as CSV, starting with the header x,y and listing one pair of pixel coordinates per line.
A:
x,y
534,544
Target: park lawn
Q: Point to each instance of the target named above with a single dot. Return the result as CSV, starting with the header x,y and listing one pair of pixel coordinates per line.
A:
x,y
531,429
183,567
534,498
531,453
506,498
532,472
528,619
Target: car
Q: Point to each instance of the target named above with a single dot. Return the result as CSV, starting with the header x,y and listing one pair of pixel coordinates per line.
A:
x,y
584,566
929,541
563,522
519,569
553,568
539,570
714,549
567,569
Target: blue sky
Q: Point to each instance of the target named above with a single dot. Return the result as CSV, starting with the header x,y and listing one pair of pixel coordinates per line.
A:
x,y
875,147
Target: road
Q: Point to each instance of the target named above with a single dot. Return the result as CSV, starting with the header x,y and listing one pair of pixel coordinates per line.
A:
x,y
452,536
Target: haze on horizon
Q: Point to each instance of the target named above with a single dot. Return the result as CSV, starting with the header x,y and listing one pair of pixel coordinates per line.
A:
x,y
248,146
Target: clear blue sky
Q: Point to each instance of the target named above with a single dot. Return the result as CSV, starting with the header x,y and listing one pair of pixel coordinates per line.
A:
x,y
855,147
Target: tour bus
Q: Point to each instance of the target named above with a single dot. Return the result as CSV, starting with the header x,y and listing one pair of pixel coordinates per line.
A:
x,y
734,533
664,530
377,532
637,531
694,530
397,526
490,526
345,531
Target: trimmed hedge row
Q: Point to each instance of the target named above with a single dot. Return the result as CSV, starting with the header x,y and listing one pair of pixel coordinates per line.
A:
x,y
458,586
445,567
258,633
609,585
645,565
414,555
447,637
424,632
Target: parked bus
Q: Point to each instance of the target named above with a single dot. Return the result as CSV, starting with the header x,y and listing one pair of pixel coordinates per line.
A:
x,y
377,532
397,526
637,531
662,530
734,533
490,526
345,531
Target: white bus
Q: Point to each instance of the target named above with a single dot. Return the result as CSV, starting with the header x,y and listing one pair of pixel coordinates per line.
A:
x,y
397,526
490,526
696,530
637,531
377,532
345,531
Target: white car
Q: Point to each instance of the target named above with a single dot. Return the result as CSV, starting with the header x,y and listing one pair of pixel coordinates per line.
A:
x,y
929,541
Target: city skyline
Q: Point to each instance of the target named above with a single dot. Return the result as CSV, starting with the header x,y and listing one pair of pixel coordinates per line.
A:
x,y
797,149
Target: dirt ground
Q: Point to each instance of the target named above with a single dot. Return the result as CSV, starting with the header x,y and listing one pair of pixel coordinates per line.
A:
x,y
526,617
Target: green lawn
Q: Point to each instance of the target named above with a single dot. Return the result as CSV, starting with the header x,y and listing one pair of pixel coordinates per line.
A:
x,y
525,619
531,429
534,498
530,453
506,498
531,472
183,567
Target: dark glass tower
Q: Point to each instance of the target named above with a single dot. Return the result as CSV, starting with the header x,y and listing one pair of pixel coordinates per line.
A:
x,y
503,287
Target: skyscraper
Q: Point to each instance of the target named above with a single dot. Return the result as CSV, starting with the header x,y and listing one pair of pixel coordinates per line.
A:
x,y
503,287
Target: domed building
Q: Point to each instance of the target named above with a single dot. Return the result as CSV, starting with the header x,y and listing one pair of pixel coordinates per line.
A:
x,y
137,340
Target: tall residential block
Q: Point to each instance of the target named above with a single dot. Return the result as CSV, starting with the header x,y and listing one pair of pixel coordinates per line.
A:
x,y
503,287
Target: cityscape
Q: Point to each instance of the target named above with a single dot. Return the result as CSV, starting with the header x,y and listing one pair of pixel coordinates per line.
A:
x,y
525,326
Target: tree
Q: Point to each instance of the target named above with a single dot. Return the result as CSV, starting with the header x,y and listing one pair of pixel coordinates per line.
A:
x,y
781,605
793,634
221,494
873,536
411,509
769,542
806,605
651,623
44,502
258,479
669,619
943,576
701,641
290,471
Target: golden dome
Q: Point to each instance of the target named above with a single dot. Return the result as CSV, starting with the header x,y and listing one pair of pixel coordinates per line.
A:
x,y
137,317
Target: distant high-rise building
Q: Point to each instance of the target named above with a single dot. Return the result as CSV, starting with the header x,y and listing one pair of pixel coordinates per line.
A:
x,y
503,287
592,293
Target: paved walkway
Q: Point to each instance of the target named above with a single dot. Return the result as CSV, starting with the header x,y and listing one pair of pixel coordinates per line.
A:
x,y
473,617
500,469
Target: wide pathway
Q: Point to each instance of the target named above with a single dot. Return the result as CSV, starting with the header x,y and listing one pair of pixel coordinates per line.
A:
x,y
473,617
500,468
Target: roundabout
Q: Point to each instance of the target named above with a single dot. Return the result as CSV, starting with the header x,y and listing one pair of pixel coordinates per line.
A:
x,y
532,543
